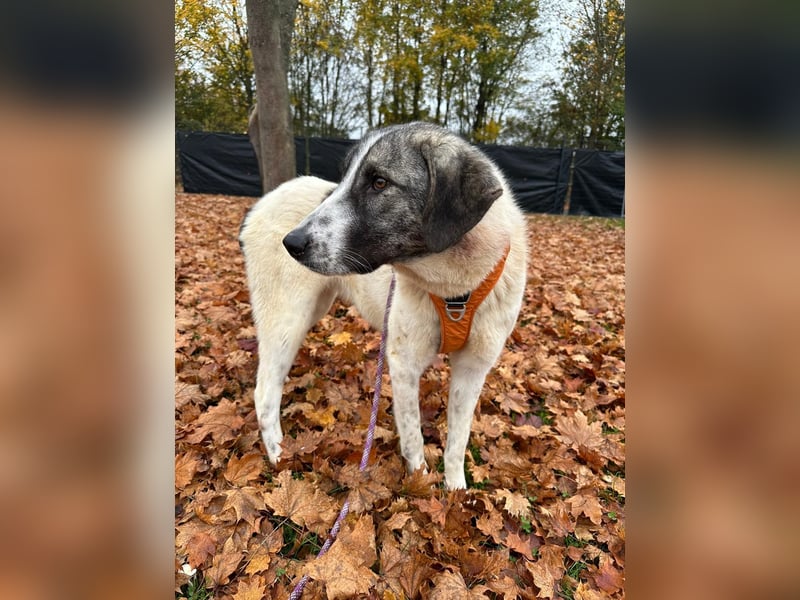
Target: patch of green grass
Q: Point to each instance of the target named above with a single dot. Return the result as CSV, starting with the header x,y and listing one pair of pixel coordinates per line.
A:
x,y
572,574
472,484
196,589
525,524
571,540
475,452
545,416
297,542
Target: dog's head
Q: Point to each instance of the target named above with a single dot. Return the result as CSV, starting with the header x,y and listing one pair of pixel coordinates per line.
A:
x,y
407,191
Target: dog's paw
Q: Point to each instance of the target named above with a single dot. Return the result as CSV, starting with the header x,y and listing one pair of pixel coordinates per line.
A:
x,y
455,482
273,446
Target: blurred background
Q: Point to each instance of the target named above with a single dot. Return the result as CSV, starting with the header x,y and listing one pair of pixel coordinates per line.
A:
x,y
86,325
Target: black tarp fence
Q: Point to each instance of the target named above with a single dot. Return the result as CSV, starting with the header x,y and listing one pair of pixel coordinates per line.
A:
x,y
225,163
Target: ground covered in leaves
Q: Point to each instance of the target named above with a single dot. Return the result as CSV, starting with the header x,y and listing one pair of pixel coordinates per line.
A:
x,y
545,513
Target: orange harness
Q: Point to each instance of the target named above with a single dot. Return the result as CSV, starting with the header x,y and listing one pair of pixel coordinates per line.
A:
x,y
455,314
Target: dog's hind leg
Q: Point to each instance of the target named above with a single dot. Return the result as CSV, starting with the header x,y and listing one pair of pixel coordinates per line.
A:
x,y
282,326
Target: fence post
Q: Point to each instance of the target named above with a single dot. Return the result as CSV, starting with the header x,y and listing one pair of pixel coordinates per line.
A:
x,y
568,195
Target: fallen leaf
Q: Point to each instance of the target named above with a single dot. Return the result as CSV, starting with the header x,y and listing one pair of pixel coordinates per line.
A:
x,y
584,592
345,568
186,465
302,502
222,422
242,470
547,570
225,563
450,585
515,503
246,503
586,504
608,578
258,561
435,509
200,547
577,432
254,589
524,544
340,338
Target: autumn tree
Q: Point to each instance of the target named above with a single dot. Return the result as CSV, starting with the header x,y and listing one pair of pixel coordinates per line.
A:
x,y
214,85
589,104
270,26
453,63
502,33
325,101
354,63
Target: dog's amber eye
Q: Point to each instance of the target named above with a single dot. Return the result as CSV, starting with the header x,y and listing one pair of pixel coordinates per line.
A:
x,y
379,183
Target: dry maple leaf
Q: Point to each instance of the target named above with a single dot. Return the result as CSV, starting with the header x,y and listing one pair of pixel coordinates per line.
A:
x,y
237,359
246,503
340,338
345,568
608,578
524,544
188,392
225,563
259,561
491,523
491,426
392,560
365,492
450,585
199,548
584,592
576,431
588,504
186,465
504,586
302,502
547,570
515,503
253,589
434,508
221,422
240,471
416,571
420,484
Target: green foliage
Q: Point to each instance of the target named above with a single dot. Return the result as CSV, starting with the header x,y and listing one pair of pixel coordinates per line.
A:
x,y
589,107
195,590
358,64
214,83
324,100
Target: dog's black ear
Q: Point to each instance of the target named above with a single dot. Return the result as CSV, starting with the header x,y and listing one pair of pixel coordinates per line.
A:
x,y
461,189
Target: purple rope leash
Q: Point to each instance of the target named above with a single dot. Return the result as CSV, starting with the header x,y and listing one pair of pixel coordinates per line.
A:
x,y
373,420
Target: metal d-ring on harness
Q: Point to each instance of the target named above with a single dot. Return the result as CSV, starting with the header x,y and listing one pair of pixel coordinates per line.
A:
x,y
456,308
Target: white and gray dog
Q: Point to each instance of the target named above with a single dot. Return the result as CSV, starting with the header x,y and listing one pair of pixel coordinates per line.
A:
x,y
422,201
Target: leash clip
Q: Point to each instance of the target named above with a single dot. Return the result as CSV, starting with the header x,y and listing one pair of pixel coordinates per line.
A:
x,y
457,307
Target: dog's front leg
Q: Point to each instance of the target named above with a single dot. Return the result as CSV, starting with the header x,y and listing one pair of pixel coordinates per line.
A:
x,y
269,389
466,382
405,403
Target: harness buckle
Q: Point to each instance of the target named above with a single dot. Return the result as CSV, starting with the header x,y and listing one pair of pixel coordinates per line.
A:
x,y
456,308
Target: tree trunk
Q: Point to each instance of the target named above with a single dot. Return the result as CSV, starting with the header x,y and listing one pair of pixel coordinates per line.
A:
x,y
270,24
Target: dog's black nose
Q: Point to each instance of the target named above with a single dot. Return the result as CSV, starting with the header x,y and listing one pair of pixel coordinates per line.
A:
x,y
296,243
